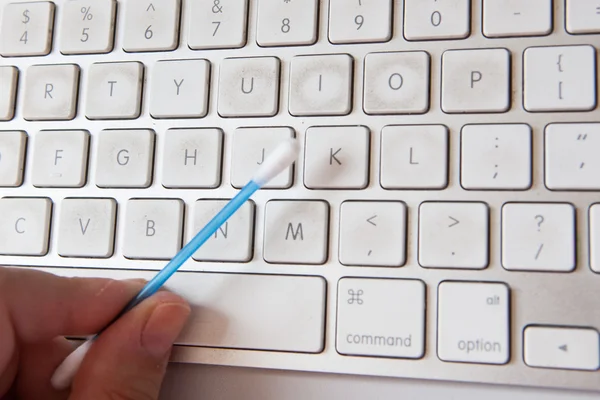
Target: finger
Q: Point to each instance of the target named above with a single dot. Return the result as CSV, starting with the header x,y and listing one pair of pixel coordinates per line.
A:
x,y
129,359
37,362
8,353
42,306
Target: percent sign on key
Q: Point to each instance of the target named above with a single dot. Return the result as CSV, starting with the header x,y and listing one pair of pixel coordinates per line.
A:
x,y
86,11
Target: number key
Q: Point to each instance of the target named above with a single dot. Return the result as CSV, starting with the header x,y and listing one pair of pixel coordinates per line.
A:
x,y
218,24
88,27
359,21
151,25
427,19
27,29
287,23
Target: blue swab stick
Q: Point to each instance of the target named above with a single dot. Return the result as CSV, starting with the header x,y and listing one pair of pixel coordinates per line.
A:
x,y
281,158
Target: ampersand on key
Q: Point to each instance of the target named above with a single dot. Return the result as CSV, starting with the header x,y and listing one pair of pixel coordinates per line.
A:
x,y
217,9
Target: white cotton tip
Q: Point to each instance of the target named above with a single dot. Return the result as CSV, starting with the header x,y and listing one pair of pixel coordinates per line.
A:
x,y
281,158
64,374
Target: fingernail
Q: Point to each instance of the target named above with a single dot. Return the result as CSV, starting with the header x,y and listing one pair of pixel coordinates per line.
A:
x,y
163,328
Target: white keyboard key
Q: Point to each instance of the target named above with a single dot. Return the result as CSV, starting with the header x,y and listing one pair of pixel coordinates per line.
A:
x,y
298,301
368,326
218,24
496,156
114,90
251,146
510,18
153,229
284,23
249,87
476,81
373,233
124,158
26,29
595,237
291,317
296,232
88,27
397,83
538,237
453,235
414,157
25,226
192,158
60,158
583,16
360,21
321,85
571,156
86,227
233,240
8,92
179,89
449,19
51,92
12,158
473,322
337,157
151,25
559,78
561,347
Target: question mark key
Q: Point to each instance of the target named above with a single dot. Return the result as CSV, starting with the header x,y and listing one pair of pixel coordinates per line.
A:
x,y
538,236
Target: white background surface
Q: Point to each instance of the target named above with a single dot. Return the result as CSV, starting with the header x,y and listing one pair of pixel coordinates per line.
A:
x,y
187,382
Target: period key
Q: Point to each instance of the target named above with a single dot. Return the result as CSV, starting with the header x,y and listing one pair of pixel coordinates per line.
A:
x,y
473,322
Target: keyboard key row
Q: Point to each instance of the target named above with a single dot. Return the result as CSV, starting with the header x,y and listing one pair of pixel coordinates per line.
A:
x,y
89,27
535,236
473,325
493,157
473,319
473,81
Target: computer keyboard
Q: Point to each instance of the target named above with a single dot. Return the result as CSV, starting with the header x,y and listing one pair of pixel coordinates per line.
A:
x,y
442,221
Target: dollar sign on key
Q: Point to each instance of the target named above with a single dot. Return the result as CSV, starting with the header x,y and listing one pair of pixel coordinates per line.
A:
x,y
26,16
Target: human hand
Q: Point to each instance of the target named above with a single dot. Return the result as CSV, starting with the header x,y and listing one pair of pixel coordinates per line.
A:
x,y
127,361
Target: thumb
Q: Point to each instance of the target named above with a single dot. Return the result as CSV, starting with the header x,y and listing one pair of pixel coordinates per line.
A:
x,y
129,359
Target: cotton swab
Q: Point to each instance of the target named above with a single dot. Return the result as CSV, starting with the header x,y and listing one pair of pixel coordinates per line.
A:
x,y
281,158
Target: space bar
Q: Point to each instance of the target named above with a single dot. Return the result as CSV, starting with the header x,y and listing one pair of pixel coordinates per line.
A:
x,y
261,312
242,311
